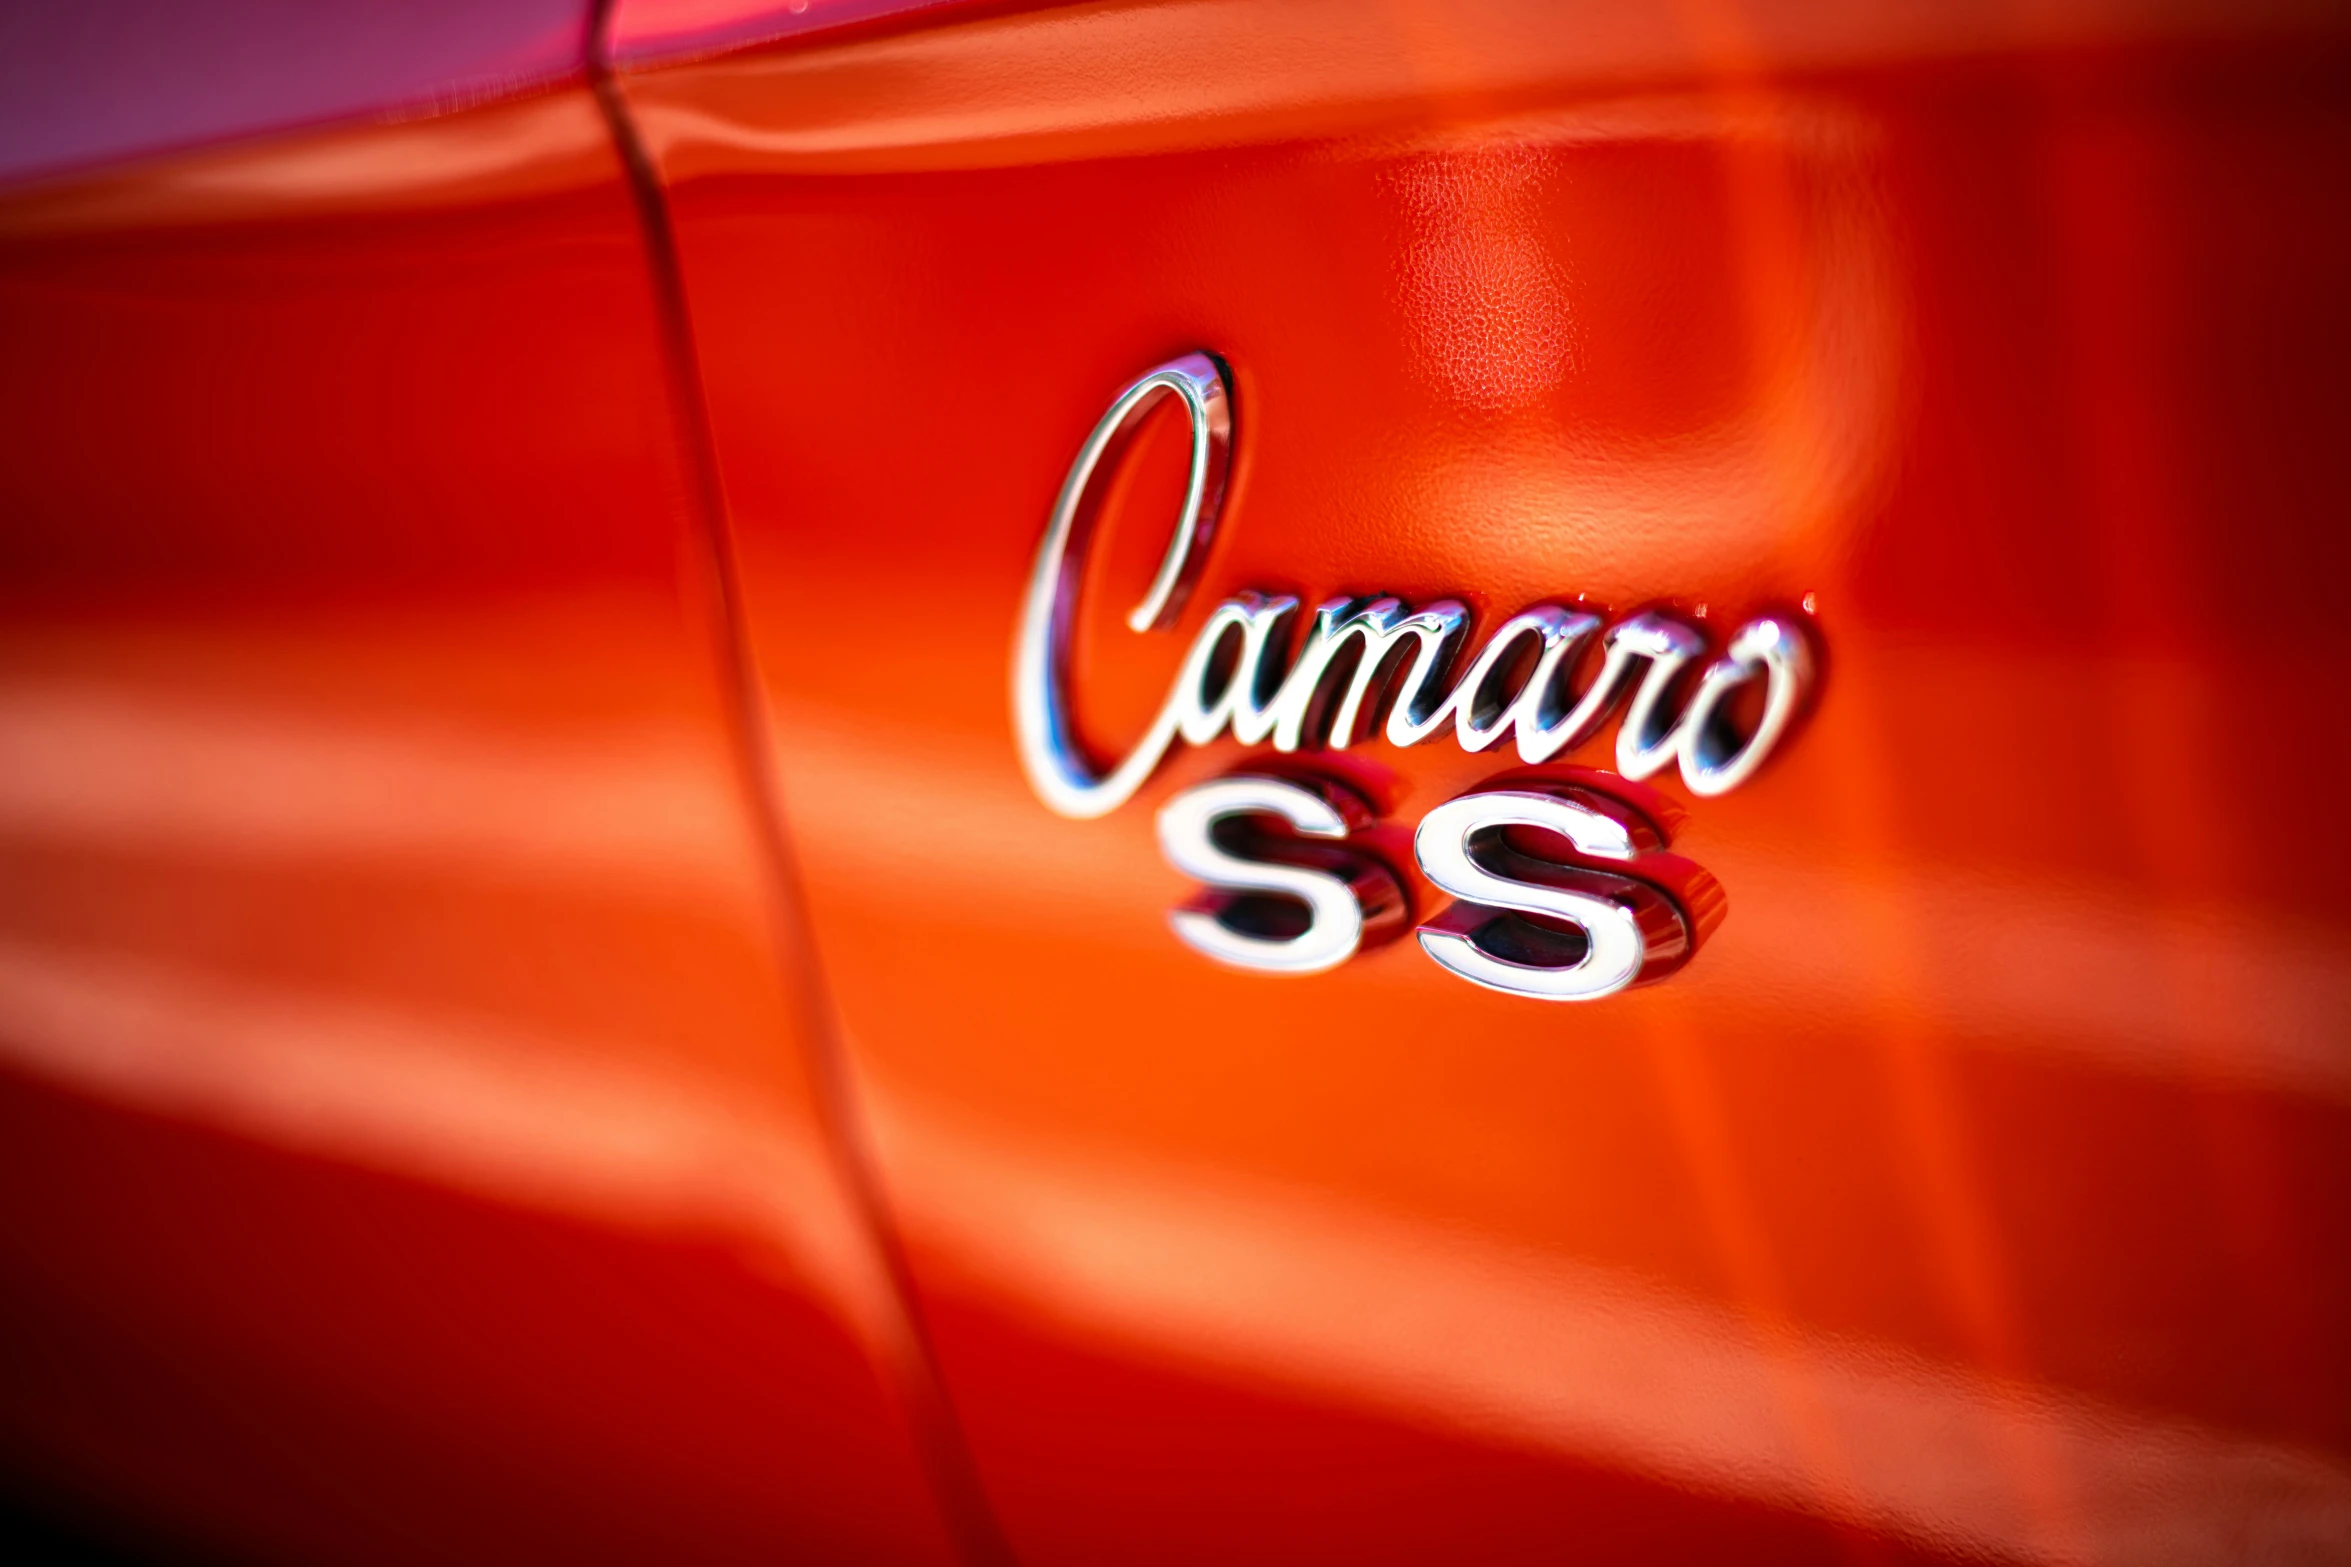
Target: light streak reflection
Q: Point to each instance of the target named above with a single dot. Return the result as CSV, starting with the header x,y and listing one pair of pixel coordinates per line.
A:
x,y
476,1104
1473,1333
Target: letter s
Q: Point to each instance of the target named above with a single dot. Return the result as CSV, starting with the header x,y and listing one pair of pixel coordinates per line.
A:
x,y
1277,905
1617,928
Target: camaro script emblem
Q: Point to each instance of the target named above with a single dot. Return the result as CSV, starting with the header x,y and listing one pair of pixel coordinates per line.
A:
x,y
1564,929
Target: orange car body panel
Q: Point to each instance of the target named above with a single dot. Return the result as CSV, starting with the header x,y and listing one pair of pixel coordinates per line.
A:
x,y
543,1018
1962,1170
381,862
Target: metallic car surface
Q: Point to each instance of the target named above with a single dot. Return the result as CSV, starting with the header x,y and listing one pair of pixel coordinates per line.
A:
x,y
1979,1187
410,1154
542,1017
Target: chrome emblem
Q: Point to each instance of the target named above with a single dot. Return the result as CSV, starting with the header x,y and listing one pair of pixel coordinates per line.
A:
x,y
1611,911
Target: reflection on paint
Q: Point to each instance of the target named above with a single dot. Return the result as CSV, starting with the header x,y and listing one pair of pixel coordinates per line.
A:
x,y
472,1103
263,971
122,767
537,147
2000,963
1643,467
1486,299
1470,1333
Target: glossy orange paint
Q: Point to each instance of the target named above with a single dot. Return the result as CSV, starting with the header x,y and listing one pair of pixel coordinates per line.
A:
x,y
1982,1190
409,1145
426,1132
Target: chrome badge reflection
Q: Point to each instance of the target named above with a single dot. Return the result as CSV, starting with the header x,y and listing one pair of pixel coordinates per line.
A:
x,y
1243,675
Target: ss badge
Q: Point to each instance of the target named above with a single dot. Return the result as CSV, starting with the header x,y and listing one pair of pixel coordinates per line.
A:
x,y
1565,891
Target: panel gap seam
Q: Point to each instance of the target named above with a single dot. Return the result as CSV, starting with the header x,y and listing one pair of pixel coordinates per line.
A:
x,y
921,1386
